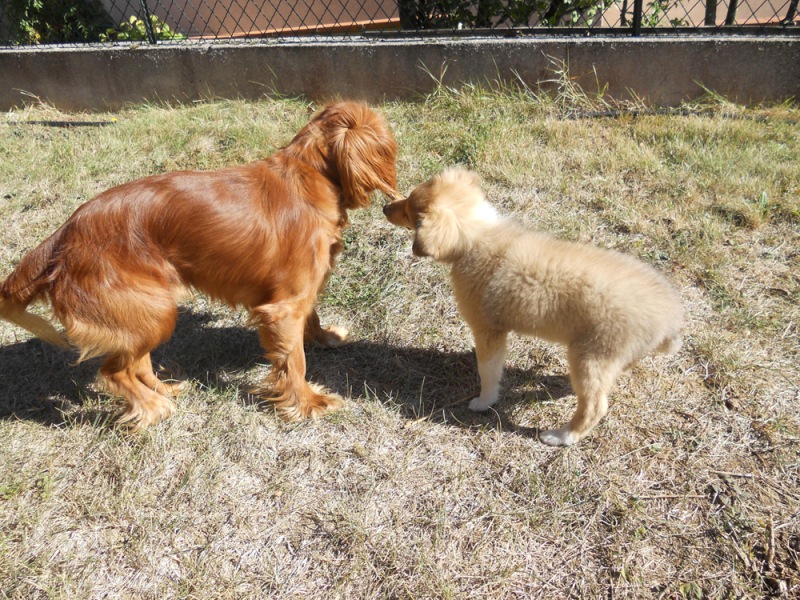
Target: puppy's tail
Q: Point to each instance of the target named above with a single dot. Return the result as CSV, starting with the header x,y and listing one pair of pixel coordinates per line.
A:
x,y
29,282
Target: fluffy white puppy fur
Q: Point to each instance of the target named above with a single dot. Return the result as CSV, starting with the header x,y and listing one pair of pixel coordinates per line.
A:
x,y
607,308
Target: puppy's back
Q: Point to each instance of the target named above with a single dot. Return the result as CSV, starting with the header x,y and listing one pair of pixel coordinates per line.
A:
x,y
536,284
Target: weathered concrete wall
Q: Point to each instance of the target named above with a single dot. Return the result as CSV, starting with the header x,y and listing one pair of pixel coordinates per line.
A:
x,y
662,72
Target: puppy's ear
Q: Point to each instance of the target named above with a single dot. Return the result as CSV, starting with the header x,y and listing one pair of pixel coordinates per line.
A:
x,y
362,152
426,240
438,235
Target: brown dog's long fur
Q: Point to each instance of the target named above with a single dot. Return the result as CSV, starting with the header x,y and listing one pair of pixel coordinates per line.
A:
x,y
609,309
263,236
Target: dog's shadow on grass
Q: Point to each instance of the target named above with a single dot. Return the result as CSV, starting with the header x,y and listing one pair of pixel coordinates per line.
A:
x,y
430,384
43,384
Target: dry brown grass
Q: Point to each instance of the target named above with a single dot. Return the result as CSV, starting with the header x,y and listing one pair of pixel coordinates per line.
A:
x,y
688,489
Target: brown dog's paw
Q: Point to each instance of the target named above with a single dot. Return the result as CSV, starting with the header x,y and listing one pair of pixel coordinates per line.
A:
x,y
321,402
171,380
332,336
313,405
140,415
172,388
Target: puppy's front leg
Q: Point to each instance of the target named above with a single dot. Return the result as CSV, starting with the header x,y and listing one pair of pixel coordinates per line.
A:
x,y
491,352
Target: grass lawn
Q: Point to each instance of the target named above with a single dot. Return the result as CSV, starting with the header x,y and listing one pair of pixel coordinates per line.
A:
x,y
690,487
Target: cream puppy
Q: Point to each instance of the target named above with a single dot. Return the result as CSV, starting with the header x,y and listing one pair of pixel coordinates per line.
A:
x,y
607,308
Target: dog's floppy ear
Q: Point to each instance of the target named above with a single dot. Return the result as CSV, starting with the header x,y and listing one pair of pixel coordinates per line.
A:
x,y
362,152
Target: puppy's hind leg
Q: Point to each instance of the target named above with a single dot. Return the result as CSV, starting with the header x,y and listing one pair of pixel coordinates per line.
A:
x,y
490,349
670,345
592,379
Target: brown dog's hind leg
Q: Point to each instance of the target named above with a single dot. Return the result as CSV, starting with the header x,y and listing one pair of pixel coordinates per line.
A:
x,y
592,379
281,331
124,324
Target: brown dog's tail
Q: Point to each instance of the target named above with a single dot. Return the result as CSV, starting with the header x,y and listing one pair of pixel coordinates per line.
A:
x,y
28,283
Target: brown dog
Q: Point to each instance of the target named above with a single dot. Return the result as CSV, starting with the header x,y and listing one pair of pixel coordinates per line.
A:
x,y
263,236
609,309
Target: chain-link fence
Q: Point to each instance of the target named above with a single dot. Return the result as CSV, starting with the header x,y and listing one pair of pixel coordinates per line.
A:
x,y
30,22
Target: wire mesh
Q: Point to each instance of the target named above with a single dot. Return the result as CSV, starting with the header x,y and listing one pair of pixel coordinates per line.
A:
x,y
32,22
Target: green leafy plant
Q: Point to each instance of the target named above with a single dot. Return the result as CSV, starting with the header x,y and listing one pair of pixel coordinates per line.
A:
x,y
55,21
658,12
428,14
135,29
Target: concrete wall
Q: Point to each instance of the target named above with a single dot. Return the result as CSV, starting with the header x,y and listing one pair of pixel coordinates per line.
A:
x,y
662,72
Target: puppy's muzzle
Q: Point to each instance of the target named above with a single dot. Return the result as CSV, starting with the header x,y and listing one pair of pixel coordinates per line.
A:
x,y
395,215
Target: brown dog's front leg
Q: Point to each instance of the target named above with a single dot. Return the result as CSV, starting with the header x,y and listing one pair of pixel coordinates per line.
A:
x,y
281,328
327,337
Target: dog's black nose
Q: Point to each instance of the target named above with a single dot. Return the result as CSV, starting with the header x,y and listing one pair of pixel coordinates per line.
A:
x,y
384,209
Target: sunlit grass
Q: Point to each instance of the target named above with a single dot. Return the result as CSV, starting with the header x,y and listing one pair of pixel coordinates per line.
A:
x,y
687,488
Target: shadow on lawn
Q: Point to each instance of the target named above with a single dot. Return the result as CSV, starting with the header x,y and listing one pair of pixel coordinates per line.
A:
x,y
43,384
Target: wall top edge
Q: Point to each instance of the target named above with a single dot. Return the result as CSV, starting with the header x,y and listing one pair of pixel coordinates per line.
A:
x,y
395,43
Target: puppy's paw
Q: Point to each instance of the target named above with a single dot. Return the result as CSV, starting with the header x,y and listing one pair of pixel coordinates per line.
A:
x,y
480,405
558,437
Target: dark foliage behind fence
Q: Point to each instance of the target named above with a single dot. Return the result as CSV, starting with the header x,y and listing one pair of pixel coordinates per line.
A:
x,y
28,22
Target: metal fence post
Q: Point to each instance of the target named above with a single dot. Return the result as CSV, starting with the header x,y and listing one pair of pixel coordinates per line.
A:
x,y
637,17
730,18
711,13
148,26
790,13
